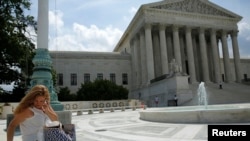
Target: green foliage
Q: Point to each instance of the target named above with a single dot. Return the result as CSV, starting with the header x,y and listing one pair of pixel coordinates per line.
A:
x,y
17,48
64,95
101,90
54,77
17,94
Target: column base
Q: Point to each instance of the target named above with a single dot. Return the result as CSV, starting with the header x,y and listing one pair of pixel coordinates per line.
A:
x,y
57,106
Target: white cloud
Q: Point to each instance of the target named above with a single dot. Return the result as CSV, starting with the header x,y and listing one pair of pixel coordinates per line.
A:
x,y
55,20
244,30
79,37
31,34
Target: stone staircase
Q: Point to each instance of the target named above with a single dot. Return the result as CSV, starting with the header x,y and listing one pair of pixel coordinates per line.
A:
x,y
231,93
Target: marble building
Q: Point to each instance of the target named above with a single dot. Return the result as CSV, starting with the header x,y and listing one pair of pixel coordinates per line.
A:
x,y
163,38
185,30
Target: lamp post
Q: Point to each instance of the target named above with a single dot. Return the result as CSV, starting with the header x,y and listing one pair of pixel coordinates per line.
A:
x,y
42,60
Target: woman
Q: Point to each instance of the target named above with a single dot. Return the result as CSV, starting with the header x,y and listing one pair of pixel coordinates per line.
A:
x,y
32,113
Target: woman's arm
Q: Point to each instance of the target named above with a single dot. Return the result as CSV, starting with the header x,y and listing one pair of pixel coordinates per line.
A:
x,y
11,129
18,118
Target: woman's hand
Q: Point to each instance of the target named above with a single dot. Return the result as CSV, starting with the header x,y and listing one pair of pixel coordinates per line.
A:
x,y
48,110
45,106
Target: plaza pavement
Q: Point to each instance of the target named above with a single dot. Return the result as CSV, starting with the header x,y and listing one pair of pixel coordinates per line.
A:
x,y
127,126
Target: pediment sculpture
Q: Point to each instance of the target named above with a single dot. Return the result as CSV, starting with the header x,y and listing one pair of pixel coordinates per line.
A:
x,y
193,6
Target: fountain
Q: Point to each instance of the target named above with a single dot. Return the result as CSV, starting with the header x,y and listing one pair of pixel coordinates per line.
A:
x,y
202,95
201,113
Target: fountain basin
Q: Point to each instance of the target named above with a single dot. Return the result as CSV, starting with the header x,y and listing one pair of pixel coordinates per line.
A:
x,y
226,113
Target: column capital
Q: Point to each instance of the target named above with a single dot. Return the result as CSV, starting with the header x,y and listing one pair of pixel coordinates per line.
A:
x,y
147,26
234,33
188,29
142,31
212,30
224,32
162,26
201,30
175,27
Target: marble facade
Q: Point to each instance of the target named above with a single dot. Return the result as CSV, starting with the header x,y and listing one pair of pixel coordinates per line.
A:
x,y
172,36
188,31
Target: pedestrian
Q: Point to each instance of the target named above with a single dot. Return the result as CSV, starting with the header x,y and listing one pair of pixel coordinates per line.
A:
x,y
220,85
156,101
176,100
32,114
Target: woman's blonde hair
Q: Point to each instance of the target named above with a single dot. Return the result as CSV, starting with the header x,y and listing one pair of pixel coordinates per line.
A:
x,y
28,99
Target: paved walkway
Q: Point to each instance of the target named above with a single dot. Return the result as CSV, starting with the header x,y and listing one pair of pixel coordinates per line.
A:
x,y
126,126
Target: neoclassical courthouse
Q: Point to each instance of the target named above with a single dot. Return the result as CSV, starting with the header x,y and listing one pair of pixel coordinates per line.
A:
x,y
168,45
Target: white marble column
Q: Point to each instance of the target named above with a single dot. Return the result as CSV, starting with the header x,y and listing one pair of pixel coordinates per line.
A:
x,y
190,55
157,53
169,47
215,56
164,52
149,52
196,56
133,58
236,53
42,24
228,77
204,58
177,50
143,58
138,58
183,55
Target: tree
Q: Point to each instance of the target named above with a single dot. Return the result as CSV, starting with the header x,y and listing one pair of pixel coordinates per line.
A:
x,y
101,90
54,77
17,48
64,95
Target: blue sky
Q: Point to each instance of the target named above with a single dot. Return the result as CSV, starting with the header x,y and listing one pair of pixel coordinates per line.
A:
x,y
97,25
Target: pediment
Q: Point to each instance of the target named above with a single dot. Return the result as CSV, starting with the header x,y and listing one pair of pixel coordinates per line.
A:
x,y
194,6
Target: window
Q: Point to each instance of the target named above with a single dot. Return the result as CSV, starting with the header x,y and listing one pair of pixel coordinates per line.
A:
x,y
124,79
112,77
73,79
100,76
60,79
86,77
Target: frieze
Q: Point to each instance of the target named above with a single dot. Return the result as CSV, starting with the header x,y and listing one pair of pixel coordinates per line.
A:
x,y
197,18
193,6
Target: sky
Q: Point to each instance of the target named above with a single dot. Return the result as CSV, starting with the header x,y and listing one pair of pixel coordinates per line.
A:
x,y
97,25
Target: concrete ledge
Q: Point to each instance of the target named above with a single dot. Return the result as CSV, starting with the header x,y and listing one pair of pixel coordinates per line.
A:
x,y
79,113
65,117
90,111
216,114
101,111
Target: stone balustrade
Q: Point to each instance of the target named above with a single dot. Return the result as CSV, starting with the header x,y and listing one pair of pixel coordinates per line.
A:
x,y
91,106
